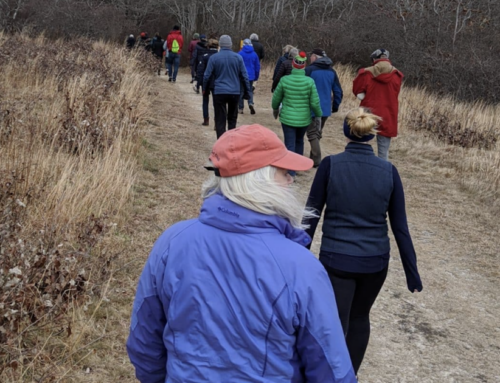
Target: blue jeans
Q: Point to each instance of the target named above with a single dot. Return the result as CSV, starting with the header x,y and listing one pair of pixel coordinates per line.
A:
x,y
175,59
294,140
383,147
241,104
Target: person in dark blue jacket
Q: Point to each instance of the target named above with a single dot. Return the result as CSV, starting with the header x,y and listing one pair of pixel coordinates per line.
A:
x,y
359,190
213,48
229,75
252,65
281,59
234,295
330,97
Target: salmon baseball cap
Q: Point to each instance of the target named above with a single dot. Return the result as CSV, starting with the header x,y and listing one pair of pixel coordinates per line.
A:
x,y
251,147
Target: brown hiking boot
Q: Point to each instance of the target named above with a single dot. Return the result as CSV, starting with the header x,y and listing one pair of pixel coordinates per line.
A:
x,y
205,122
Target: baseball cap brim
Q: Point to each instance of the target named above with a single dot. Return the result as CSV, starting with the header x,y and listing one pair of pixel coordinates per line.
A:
x,y
293,161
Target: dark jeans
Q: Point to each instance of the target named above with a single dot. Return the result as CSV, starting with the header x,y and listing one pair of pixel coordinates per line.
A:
x,y
355,294
206,100
173,59
294,140
225,108
241,104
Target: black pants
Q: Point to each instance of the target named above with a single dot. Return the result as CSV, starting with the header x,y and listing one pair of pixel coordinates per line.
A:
x,y
225,108
355,294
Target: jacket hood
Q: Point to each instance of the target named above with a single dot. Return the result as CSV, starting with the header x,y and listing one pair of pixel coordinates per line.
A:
x,y
224,214
175,32
323,62
202,43
382,70
247,48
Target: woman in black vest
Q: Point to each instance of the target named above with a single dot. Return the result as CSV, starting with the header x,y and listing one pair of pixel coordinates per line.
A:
x,y
359,190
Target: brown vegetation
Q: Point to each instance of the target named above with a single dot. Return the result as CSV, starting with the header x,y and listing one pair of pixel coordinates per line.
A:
x,y
71,115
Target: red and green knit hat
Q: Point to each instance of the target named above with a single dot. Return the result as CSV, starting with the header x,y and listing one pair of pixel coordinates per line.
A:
x,y
299,61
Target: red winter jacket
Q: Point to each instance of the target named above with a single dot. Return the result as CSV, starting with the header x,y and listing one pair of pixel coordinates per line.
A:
x,y
381,84
175,35
191,47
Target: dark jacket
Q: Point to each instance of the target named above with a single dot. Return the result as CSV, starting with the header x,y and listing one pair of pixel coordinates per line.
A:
x,y
258,48
157,47
358,190
199,50
200,69
278,64
284,70
327,82
381,84
228,71
130,42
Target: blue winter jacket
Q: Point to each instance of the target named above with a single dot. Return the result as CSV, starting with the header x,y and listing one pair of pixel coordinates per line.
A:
x,y
234,296
252,62
228,71
327,82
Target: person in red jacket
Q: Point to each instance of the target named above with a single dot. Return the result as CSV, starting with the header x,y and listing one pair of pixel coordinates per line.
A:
x,y
378,89
175,41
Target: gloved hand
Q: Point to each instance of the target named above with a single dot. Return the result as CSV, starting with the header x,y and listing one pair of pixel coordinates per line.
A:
x,y
246,96
276,113
335,109
317,123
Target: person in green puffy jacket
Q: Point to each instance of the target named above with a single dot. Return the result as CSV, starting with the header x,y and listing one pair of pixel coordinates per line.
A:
x,y
297,95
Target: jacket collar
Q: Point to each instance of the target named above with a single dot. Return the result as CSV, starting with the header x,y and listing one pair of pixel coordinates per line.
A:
x,y
359,148
298,72
224,214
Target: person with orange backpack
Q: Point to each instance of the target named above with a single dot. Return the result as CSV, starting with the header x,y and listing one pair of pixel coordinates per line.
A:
x,y
175,41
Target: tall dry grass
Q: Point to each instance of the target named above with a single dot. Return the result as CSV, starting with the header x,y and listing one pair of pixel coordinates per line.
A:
x,y
71,115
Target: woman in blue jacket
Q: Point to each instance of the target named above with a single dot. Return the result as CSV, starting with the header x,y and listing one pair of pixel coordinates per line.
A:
x,y
252,65
359,190
234,295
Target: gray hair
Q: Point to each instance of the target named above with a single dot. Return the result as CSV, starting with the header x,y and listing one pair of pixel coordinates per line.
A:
x,y
293,52
254,36
258,191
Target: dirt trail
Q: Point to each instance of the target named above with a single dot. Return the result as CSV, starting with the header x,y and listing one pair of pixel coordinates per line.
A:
x,y
448,333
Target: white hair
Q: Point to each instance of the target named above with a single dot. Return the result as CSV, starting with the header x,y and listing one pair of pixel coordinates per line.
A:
x,y
258,191
254,36
293,52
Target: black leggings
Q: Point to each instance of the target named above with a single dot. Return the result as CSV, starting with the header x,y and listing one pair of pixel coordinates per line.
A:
x,y
355,294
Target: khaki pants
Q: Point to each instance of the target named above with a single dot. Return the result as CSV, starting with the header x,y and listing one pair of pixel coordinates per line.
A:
x,y
313,135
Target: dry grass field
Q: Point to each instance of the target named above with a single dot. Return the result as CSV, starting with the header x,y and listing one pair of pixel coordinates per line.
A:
x,y
105,206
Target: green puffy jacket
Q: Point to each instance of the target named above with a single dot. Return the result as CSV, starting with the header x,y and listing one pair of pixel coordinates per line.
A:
x,y
297,92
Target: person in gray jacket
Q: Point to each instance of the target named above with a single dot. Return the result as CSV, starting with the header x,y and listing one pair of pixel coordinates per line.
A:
x,y
229,74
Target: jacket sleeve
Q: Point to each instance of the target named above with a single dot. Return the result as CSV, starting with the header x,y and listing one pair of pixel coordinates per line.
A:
x,y
338,94
208,73
145,345
314,100
276,68
320,338
359,83
244,75
277,96
399,227
279,75
194,58
257,67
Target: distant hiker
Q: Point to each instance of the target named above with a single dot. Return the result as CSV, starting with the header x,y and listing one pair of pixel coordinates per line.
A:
x,y
157,50
285,68
213,48
252,65
359,190
378,88
199,51
330,96
229,75
143,40
130,42
233,295
192,45
298,95
175,41
280,60
257,46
